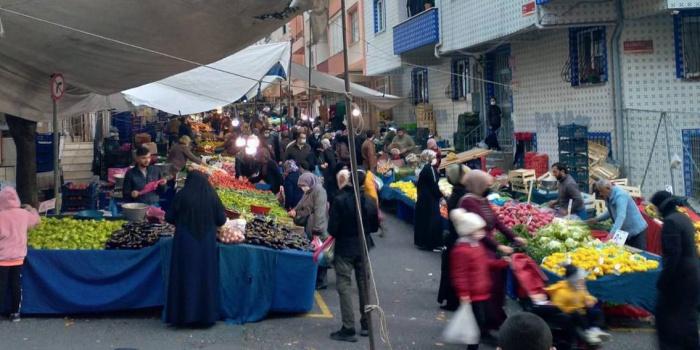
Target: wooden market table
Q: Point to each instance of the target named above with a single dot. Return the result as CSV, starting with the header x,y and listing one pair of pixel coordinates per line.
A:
x,y
474,153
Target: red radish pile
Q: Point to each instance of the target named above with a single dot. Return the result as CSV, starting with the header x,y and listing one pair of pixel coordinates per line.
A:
x,y
513,213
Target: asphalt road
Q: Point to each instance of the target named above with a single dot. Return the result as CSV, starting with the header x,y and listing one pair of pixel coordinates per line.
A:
x,y
407,281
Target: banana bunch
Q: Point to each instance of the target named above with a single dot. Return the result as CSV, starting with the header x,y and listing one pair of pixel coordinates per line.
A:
x,y
407,188
600,260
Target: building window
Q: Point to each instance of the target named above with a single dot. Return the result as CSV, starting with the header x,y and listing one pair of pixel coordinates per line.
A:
x,y
379,16
460,78
686,28
354,27
419,85
691,162
588,56
415,7
336,34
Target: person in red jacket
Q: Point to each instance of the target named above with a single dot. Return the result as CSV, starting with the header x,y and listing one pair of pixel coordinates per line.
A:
x,y
478,184
471,266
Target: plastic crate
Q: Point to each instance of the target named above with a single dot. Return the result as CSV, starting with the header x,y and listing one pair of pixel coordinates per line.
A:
x,y
523,136
573,131
573,160
573,146
537,162
44,165
90,191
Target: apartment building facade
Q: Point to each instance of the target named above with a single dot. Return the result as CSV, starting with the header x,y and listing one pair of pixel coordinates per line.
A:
x,y
614,65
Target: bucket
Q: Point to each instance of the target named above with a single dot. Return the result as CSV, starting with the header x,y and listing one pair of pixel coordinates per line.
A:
x,y
134,212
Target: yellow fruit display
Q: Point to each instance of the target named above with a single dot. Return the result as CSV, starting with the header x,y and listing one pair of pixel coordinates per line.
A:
x,y
600,260
696,224
407,188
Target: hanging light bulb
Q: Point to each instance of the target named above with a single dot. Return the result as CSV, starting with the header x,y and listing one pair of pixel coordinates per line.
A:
x,y
356,112
250,151
253,141
235,122
240,142
304,117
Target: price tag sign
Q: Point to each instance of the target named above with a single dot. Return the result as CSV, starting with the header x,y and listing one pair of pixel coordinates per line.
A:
x,y
620,237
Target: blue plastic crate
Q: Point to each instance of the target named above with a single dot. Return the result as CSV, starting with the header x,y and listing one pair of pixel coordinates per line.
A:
x,y
573,131
573,146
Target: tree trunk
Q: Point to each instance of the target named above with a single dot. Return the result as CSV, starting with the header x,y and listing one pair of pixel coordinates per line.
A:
x,y
24,134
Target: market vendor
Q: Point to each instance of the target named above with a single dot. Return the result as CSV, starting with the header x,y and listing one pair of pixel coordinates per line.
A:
x,y
180,153
568,191
404,142
624,213
139,176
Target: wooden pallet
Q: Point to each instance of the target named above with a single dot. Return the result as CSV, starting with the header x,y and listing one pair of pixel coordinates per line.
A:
x,y
604,171
600,207
597,153
634,191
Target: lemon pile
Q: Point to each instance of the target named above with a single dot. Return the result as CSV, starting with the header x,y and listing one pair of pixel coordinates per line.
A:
x,y
407,188
599,261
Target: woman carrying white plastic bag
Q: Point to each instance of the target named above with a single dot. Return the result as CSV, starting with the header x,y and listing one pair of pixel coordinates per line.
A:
x,y
471,277
463,328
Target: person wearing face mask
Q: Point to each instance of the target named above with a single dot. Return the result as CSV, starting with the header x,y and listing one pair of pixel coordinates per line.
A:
x,y
315,139
301,153
478,185
427,229
312,213
494,118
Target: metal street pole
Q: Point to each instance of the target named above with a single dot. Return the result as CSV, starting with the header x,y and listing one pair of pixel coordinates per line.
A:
x,y
355,184
56,161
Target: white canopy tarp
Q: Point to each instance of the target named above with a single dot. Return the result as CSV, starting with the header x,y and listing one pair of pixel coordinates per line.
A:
x,y
329,83
203,88
73,37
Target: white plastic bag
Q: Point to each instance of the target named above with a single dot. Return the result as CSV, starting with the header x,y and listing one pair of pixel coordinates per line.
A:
x,y
462,328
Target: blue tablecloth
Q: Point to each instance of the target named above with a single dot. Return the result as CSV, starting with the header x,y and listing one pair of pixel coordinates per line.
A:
x,y
637,289
254,281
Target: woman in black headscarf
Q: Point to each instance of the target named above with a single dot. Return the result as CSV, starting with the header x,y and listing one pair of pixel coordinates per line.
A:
x,y
427,228
193,284
679,282
455,176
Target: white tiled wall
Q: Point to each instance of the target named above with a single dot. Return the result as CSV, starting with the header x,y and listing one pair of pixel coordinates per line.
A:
x,y
575,11
642,8
466,23
380,56
542,99
678,4
650,83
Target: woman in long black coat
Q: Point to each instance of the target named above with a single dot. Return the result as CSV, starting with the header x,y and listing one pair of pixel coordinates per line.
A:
x,y
446,293
193,284
679,283
427,228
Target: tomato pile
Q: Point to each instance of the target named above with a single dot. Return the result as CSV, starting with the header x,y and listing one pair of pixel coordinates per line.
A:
x,y
223,180
512,214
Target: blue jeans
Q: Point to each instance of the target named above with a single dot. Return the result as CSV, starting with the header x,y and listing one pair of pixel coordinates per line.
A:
x,y
582,214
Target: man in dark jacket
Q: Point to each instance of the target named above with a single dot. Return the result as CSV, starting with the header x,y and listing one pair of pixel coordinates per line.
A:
x,y
301,153
342,225
141,174
494,119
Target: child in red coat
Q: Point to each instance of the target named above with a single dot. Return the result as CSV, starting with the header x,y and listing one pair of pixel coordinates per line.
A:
x,y
470,265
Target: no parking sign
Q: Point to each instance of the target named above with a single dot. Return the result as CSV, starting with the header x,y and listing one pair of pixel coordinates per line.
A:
x,y
58,86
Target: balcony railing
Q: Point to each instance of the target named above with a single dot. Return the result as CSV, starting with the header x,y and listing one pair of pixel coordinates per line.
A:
x,y
418,31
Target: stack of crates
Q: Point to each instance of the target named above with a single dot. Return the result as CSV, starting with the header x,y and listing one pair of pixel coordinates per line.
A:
x,y
573,152
44,153
128,125
539,162
74,200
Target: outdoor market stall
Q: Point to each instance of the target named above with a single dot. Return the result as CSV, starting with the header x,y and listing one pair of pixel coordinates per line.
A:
x,y
87,266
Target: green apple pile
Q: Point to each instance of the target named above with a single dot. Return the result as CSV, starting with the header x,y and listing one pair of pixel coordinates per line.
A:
x,y
72,234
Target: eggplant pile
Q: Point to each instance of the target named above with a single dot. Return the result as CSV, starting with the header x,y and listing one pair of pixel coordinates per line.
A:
x,y
138,235
264,232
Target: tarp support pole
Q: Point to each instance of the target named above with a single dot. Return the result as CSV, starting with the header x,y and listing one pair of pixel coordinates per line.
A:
x,y
355,181
56,161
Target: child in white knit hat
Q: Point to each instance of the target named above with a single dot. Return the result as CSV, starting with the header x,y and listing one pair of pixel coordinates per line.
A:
x,y
470,266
